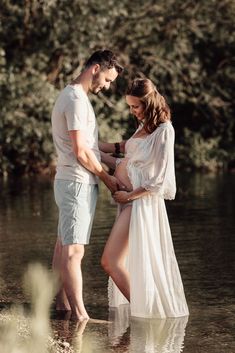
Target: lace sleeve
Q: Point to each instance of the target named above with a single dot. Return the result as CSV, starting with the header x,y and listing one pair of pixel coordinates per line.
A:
x,y
159,176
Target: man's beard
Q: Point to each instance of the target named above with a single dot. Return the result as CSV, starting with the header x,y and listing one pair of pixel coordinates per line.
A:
x,y
95,83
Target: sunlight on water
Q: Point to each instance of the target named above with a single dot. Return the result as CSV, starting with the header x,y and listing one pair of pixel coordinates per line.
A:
x,y
203,228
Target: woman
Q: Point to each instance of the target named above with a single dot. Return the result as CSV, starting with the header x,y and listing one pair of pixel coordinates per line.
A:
x,y
139,254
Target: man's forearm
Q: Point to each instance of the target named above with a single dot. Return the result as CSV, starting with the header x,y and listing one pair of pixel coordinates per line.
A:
x,y
88,159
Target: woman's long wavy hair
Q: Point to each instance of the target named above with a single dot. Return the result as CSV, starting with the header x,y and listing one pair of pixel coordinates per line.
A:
x,y
156,110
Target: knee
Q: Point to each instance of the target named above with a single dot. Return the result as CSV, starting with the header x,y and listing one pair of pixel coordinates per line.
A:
x,y
107,264
71,254
76,257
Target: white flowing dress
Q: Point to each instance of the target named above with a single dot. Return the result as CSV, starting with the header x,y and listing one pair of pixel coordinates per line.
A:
x,y
156,289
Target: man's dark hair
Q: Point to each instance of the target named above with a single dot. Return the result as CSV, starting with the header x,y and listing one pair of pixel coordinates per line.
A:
x,y
106,59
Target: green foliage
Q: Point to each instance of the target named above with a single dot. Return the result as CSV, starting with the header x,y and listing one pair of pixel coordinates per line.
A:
x,y
186,48
200,153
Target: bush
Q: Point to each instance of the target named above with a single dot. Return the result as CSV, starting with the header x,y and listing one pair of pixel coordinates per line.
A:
x,y
186,48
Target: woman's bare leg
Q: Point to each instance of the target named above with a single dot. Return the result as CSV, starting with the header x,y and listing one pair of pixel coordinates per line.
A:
x,y
115,251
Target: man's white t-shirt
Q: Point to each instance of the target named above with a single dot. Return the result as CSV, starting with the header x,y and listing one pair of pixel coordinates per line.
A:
x,y
73,111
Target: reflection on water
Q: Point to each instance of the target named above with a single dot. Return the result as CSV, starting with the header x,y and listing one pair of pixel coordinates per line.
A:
x,y
203,227
147,335
125,334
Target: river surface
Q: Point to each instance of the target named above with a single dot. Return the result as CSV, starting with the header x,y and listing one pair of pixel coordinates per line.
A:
x,y
202,219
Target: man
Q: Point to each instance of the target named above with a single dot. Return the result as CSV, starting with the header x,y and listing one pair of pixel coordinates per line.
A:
x,y
75,135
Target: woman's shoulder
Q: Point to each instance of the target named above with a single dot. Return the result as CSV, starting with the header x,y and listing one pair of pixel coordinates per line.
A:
x,y
166,126
163,129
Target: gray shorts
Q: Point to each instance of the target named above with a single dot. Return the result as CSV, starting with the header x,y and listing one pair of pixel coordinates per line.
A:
x,y
76,203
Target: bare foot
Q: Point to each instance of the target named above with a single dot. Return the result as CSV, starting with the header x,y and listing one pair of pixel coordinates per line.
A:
x,y
79,318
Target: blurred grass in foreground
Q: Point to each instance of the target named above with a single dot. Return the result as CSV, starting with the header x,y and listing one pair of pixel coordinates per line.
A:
x,y
22,332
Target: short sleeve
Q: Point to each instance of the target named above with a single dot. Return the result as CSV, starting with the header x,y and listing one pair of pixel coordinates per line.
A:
x,y
76,114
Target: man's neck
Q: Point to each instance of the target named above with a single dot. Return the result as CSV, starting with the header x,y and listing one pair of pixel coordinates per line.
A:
x,y
82,80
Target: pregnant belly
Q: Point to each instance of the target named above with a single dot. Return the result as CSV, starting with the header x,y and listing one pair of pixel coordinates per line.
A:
x,y
122,175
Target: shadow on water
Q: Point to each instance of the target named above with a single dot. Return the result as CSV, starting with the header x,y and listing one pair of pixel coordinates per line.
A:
x,y
203,228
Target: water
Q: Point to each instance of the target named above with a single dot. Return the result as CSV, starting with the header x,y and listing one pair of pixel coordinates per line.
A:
x,y
203,228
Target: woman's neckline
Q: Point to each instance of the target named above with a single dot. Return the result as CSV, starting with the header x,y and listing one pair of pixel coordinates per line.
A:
x,y
139,137
145,136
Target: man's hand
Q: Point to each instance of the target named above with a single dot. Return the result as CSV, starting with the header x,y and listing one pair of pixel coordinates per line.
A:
x,y
112,183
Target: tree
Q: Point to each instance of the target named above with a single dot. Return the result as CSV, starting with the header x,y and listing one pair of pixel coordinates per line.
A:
x,y
186,48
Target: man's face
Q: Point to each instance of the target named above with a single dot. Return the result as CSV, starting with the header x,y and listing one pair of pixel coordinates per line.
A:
x,y
102,79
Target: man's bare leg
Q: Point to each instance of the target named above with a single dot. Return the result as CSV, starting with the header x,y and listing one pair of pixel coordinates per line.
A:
x,y
113,258
62,302
72,278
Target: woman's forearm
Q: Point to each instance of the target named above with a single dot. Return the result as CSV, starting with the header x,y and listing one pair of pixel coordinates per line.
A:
x,y
109,160
124,196
109,147
137,193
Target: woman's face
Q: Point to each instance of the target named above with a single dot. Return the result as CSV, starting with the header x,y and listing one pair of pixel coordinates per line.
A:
x,y
136,107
